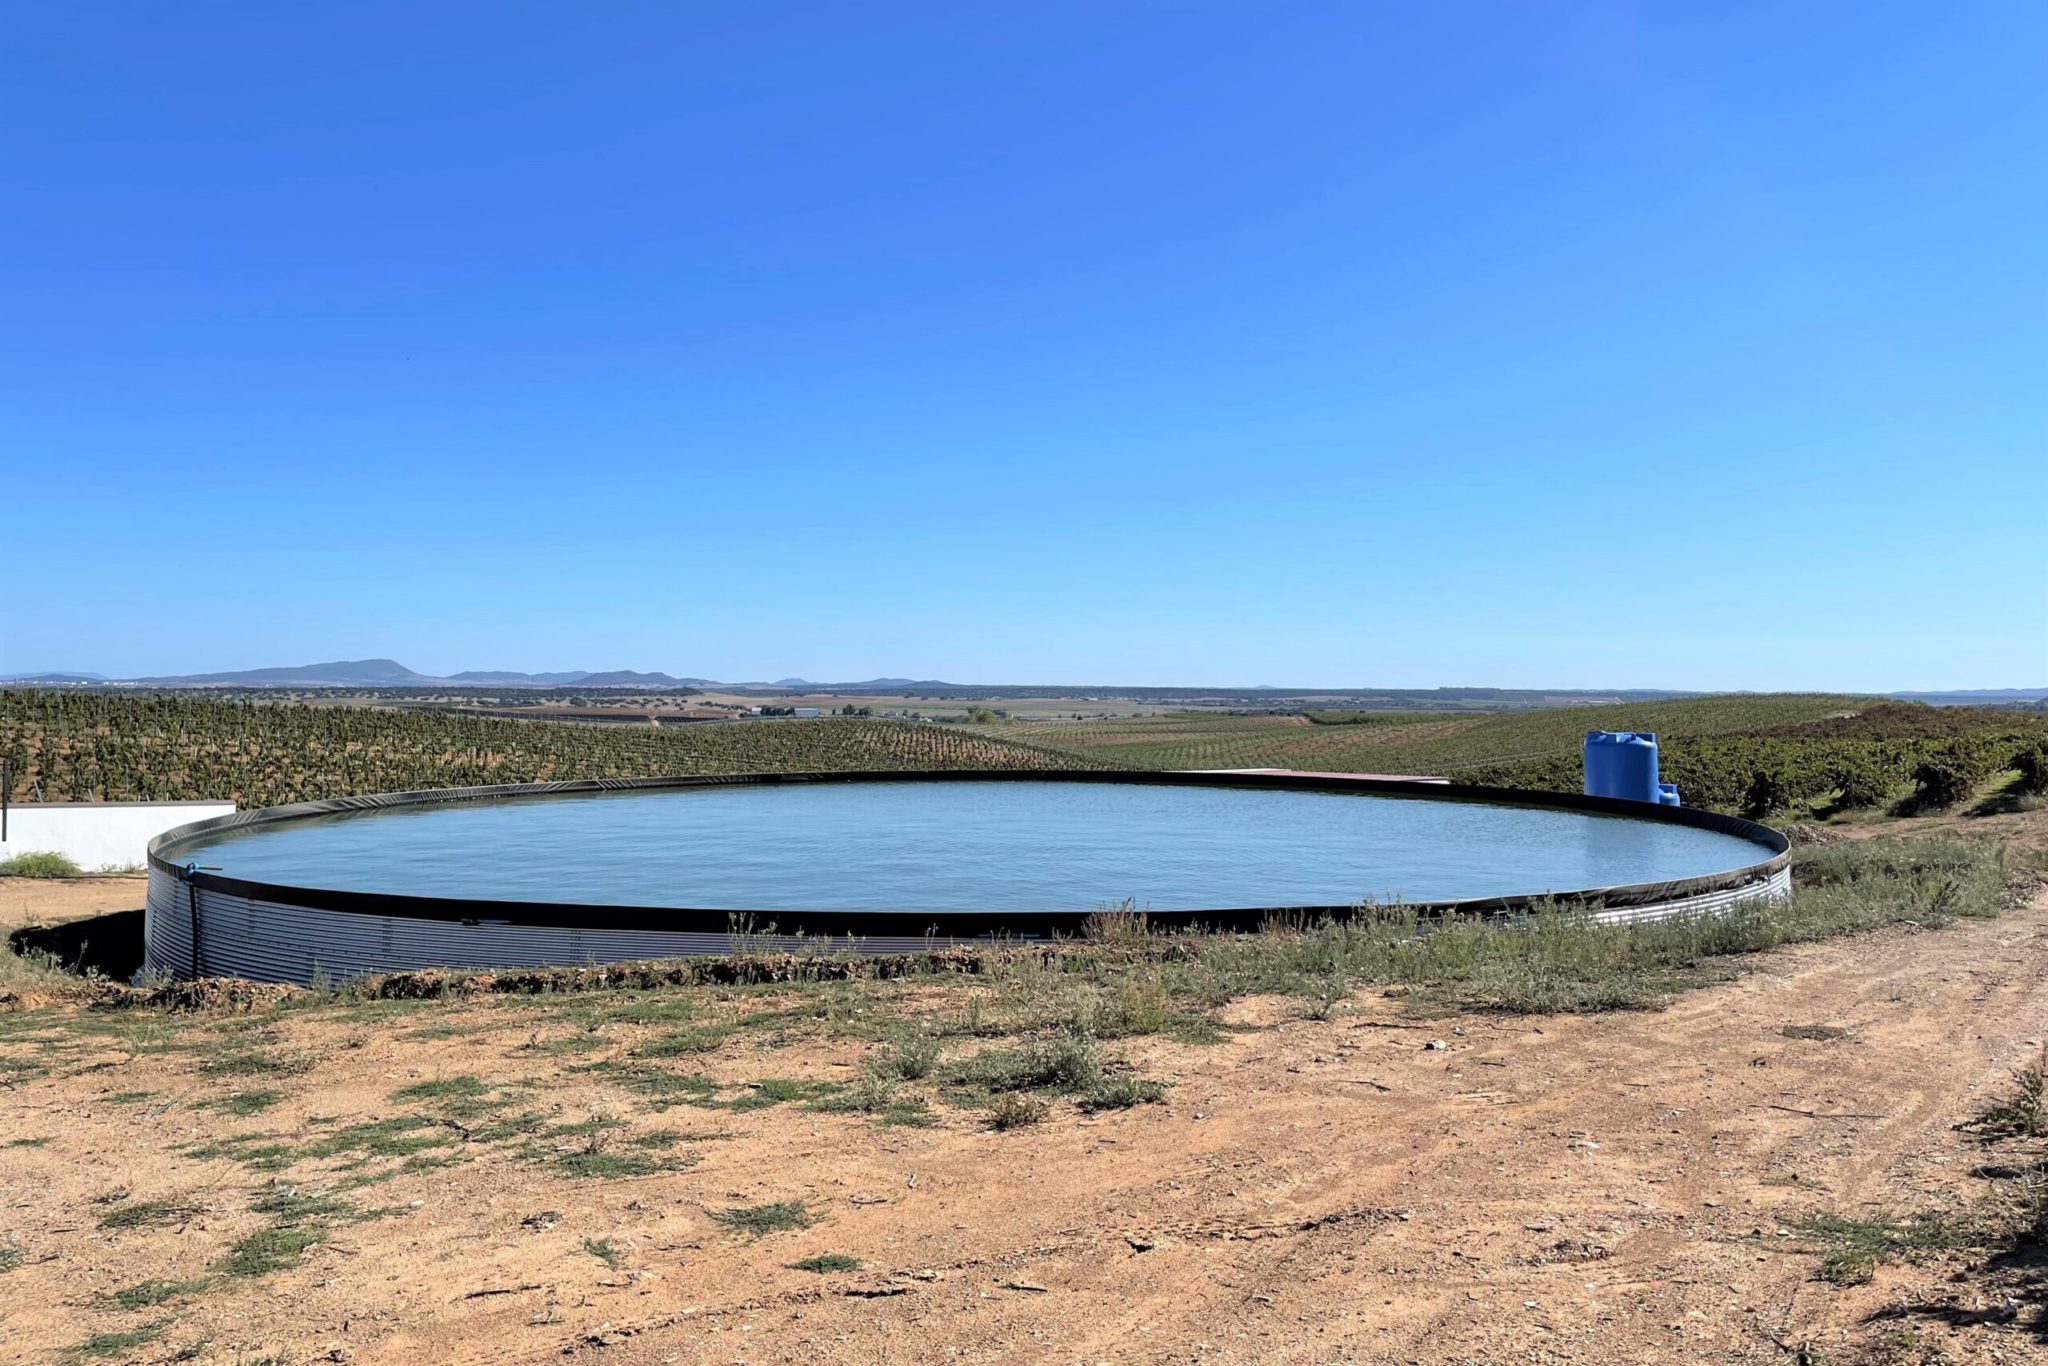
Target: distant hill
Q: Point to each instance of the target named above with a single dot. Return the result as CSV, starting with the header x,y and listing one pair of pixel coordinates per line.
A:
x,y
866,685
626,678
514,677
370,673
374,673
389,673
385,673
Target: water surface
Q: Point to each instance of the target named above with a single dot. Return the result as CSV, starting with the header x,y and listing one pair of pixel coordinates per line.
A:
x,y
1001,846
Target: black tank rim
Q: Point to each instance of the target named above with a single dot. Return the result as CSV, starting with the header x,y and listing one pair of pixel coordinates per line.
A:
x,y
163,859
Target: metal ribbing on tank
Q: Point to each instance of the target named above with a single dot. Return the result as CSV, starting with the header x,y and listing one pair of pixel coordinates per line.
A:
x,y
274,941
1776,887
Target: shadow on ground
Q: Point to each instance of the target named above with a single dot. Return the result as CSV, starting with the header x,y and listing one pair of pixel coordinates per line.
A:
x,y
110,945
2016,1283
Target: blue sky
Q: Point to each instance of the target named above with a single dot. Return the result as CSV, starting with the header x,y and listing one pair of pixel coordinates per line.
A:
x,y
1537,344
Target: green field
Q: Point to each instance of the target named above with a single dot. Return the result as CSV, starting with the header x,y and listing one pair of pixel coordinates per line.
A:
x,y
1764,753
1796,754
79,746
1404,742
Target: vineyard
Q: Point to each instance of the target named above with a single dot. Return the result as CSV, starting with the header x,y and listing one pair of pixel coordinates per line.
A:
x,y
1762,754
79,746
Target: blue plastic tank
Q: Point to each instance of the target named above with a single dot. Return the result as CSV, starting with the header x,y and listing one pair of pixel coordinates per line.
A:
x,y
1623,763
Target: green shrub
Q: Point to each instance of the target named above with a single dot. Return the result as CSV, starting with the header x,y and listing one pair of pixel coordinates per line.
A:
x,y
1121,1093
2032,762
39,865
1015,1110
914,1058
1063,1064
1861,785
1769,789
757,1220
1939,783
827,1263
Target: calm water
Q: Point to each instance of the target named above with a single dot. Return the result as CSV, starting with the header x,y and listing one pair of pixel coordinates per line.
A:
x,y
970,846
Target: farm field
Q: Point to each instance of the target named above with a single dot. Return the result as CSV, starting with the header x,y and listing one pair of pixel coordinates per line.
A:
x,y
1767,753
1414,743
1789,756
73,746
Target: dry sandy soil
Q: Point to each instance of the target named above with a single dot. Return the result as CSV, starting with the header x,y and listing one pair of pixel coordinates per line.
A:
x,y
1597,1189
27,900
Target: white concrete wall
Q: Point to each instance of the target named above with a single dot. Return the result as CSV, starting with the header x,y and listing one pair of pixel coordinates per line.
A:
x,y
98,835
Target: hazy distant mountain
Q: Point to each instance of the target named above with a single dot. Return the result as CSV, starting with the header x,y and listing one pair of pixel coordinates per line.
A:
x,y
866,685
389,673
626,678
369,673
512,676
607,678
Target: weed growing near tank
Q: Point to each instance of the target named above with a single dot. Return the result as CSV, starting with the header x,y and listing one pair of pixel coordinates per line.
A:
x,y
769,1091
606,1251
1851,1248
270,1250
660,1087
241,1103
827,1263
168,1212
2023,1113
1016,1110
1059,1065
32,970
759,1220
461,1088
149,1294
600,1148
1121,1093
232,1061
304,1221
1557,960
683,1042
39,865
913,1059
118,1343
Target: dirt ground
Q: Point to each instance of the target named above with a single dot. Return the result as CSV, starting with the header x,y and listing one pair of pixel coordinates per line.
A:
x,y
52,901
1592,1189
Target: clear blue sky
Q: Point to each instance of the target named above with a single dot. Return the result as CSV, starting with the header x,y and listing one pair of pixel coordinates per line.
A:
x,y
1404,344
